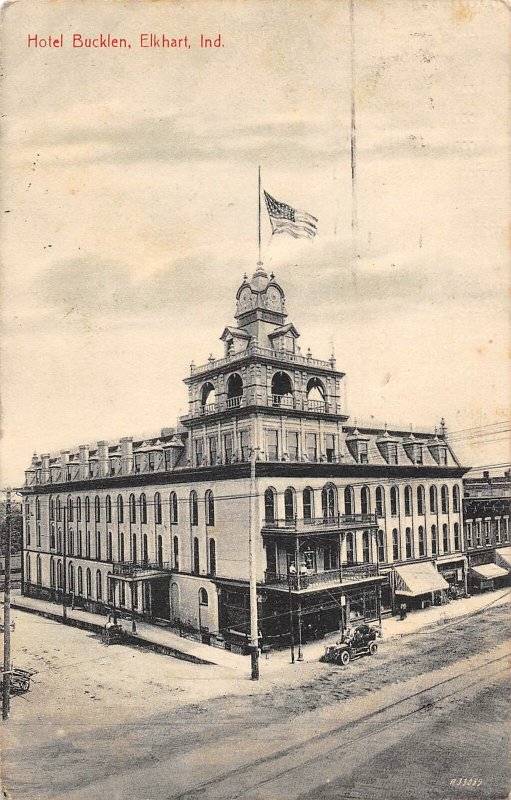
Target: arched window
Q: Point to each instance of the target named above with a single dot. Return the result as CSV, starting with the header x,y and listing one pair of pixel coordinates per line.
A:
x,y
134,548
282,390
59,510
422,541
52,572
173,508
111,589
37,509
98,545
432,499
210,507
80,581
421,501
175,549
380,501
444,499
289,504
445,537
99,585
457,544
59,575
269,504
97,509
394,501
350,548
143,509
234,391
121,547
456,499
348,501
87,509
365,500
381,545
203,597
120,508
408,543
316,395
329,501
208,397
71,542
212,558
108,508
133,508
196,556
39,574
29,568
157,508
194,508
70,510
159,548
366,547
109,546
308,503
71,577
78,509
434,540
145,551
52,508
395,544
408,501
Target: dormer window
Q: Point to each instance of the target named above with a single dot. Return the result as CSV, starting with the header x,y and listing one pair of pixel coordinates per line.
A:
x,y
358,447
439,452
414,450
388,449
362,453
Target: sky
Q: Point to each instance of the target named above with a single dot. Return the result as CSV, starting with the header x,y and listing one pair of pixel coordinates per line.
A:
x,y
129,209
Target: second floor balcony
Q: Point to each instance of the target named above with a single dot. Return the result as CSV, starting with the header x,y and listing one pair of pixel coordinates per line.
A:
x,y
337,522
346,574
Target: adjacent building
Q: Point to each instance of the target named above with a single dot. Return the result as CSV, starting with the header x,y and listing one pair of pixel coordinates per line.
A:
x,y
486,509
349,520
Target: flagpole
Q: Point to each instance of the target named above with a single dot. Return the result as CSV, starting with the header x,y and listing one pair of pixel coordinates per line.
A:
x,y
259,216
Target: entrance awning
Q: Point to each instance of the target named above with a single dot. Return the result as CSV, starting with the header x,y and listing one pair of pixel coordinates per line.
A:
x,y
416,579
503,557
489,571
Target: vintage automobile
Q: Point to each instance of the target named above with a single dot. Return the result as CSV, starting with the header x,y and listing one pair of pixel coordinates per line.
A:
x,y
20,679
360,642
113,634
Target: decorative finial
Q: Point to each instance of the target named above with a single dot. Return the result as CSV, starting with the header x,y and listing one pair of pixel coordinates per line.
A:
x,y
272,276
211,358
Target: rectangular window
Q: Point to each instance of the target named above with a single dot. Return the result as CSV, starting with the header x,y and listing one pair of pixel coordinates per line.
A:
x,y
391,453
363,457
330,447
487,531
293,446
395,545
418,454
245,445
152,461
168,458
212,451
199,452
468,533
228,447
478,534
272,445
311,446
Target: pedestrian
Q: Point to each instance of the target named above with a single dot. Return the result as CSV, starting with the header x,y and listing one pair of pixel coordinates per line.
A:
x,y
402,611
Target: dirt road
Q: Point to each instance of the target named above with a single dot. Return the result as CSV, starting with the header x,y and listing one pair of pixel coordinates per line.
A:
x,y
191,731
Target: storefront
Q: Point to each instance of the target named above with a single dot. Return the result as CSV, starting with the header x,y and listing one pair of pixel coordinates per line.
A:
x,y
486,577
454,571
419,585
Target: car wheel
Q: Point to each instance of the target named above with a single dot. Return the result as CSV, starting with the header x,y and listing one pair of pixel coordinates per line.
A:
x,y
373,647
344,657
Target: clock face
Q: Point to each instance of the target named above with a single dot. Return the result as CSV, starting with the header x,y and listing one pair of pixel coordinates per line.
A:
x,y
273,298
246,298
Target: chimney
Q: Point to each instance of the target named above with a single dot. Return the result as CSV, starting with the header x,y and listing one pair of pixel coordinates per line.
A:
x,y
45,468
103,465
127,455
84,461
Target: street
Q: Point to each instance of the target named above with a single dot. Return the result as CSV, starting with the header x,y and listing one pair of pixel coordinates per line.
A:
x,y
426,713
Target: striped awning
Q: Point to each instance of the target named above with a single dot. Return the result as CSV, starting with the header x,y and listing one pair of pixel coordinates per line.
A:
x,y
415,579
489,571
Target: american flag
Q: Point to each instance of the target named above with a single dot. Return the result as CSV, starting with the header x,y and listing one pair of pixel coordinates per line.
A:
x,y
285,219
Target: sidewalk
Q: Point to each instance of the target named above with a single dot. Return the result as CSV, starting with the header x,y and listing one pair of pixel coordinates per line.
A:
x,y
392,628
187,649
150,635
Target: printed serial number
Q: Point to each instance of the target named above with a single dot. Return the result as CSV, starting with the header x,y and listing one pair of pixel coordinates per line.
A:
x,y
466,782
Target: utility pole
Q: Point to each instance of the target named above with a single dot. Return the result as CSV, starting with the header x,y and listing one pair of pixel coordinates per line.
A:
x,y
64,566
252,536
6,683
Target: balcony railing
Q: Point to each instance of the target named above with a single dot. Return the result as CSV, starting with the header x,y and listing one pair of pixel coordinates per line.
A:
x,y
265,352
134,569
347,574
234,402
210,408
316,405
336,522
283,400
